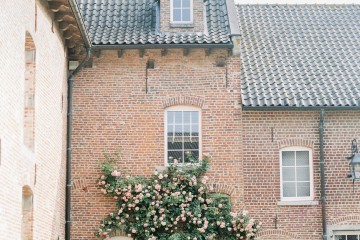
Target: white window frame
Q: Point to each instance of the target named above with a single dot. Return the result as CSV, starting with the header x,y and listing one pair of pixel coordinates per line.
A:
x,y
309,198
345,232
181,22
181,108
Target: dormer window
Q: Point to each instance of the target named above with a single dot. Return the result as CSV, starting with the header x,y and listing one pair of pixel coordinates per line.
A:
x,y
181,11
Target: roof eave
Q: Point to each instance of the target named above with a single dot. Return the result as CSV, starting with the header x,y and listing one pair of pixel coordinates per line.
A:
x,y
303,108
163,46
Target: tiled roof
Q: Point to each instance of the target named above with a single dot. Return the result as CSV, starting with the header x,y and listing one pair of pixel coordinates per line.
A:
x,y
128,22
300,55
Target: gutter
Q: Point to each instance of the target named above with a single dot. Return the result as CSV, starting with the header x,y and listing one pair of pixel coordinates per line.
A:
x,y
162,46
68,145
310,108
80,23
322,174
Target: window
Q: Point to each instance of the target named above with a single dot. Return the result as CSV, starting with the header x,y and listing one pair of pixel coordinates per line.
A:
x,y
182,133
29,94
347,235
181,11
296,174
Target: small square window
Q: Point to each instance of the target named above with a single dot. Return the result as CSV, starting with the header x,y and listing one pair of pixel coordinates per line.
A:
x,y
181,11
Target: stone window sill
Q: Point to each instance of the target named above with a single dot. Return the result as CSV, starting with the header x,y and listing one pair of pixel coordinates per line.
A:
x,y
181,25
298,203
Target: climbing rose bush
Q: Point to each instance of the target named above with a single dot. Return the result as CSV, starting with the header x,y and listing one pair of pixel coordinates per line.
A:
x,y
171,205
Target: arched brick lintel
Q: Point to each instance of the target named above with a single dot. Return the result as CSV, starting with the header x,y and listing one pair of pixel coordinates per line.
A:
x,y
220,188
183,100
295,142
345,219
276,234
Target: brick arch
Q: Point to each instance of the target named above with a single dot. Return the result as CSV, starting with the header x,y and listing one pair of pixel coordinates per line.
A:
x,y
220,188
29,91
183,100
345,219
276,234
295,142
27,213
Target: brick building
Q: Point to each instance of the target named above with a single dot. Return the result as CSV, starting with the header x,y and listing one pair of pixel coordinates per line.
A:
x,y
291,71
267,99
34,46
158,68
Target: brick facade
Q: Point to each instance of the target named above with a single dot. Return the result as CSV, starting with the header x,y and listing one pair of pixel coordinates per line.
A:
x,y
264,134
113,112
40,167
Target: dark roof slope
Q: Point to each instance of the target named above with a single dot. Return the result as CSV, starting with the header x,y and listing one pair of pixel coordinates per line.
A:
x,y
128,22
300,55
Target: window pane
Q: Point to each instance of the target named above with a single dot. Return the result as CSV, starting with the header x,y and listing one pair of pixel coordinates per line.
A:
x,y
194,155
289,189
178,130
186,3
195,130
191,143
175,155
170,117
303,189
288,158
195,117
352,237
177,15
170,129
302,174
177,3
186,130
186,117
288,173
186,15
302,158
178,117
340,237
175,143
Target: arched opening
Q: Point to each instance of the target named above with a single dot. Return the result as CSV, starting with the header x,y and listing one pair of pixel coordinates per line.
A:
x,y
29,92
27,214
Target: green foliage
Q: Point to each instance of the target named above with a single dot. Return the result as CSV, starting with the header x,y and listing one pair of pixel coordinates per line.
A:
x,y
172,205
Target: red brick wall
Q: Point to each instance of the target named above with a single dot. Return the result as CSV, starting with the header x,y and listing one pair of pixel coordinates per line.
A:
x,y
262,170
113,112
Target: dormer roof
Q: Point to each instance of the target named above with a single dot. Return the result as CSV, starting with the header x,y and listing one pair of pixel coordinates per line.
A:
x,y
136,22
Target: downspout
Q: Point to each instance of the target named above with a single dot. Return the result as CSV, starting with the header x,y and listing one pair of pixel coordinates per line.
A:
x,y
322,174
88,47
68,145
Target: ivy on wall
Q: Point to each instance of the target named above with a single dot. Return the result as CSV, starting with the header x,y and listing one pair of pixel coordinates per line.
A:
x,y
171,205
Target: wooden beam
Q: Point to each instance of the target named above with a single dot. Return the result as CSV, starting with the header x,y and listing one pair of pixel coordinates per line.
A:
x,y
208,51
97,53
141,52
120,53
164,52
186,51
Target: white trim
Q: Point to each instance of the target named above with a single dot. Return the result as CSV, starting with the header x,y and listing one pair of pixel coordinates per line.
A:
x,y
297,203
336,229
181,108
297,199
182,22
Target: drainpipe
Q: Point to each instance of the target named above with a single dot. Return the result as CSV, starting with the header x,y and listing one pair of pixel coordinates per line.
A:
x,y
322,174
68,145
